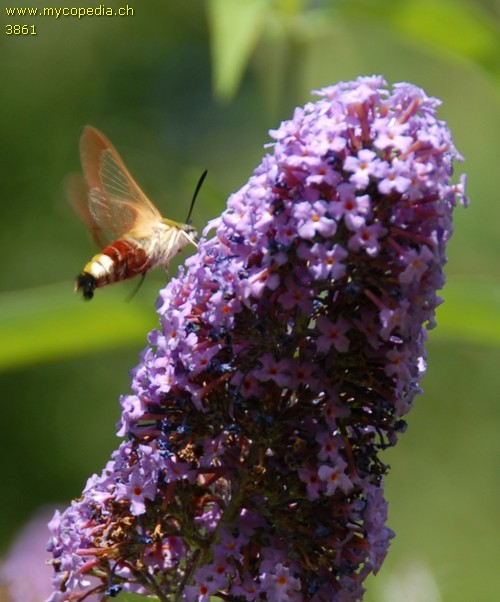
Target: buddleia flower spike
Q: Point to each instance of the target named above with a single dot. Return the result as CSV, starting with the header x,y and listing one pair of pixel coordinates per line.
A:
x,y
287,355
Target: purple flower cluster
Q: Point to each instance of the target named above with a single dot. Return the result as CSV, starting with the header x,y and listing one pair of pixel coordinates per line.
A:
x,y
287,355
24,576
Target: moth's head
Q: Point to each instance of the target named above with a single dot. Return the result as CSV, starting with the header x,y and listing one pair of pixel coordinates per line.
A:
x,y
191,232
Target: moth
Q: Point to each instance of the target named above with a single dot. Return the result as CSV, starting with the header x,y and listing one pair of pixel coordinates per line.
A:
x,y
133,236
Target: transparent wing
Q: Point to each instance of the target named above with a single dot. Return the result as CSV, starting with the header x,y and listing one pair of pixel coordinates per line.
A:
x,y
115,203
78,195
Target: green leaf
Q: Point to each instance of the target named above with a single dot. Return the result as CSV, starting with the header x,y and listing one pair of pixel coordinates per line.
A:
x,y
49,323
235,28
457,26
467,31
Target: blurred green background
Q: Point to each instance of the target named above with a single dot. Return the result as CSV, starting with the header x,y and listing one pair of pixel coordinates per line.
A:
x,y
183,86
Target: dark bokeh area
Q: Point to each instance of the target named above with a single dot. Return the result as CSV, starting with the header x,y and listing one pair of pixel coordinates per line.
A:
x,y
148,83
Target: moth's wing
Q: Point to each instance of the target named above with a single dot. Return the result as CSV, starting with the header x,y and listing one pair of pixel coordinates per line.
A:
x,y
115,202
78,195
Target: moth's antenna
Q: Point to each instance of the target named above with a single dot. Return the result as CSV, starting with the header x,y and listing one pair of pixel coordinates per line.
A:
x,y
196,191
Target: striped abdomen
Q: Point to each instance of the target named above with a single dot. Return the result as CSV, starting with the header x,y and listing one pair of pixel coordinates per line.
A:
x,y
120,260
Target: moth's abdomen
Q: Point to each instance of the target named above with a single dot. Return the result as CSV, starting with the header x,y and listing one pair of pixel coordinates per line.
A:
x,y
120,260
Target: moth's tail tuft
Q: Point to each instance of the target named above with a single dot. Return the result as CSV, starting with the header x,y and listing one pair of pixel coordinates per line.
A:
x,y
86,284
